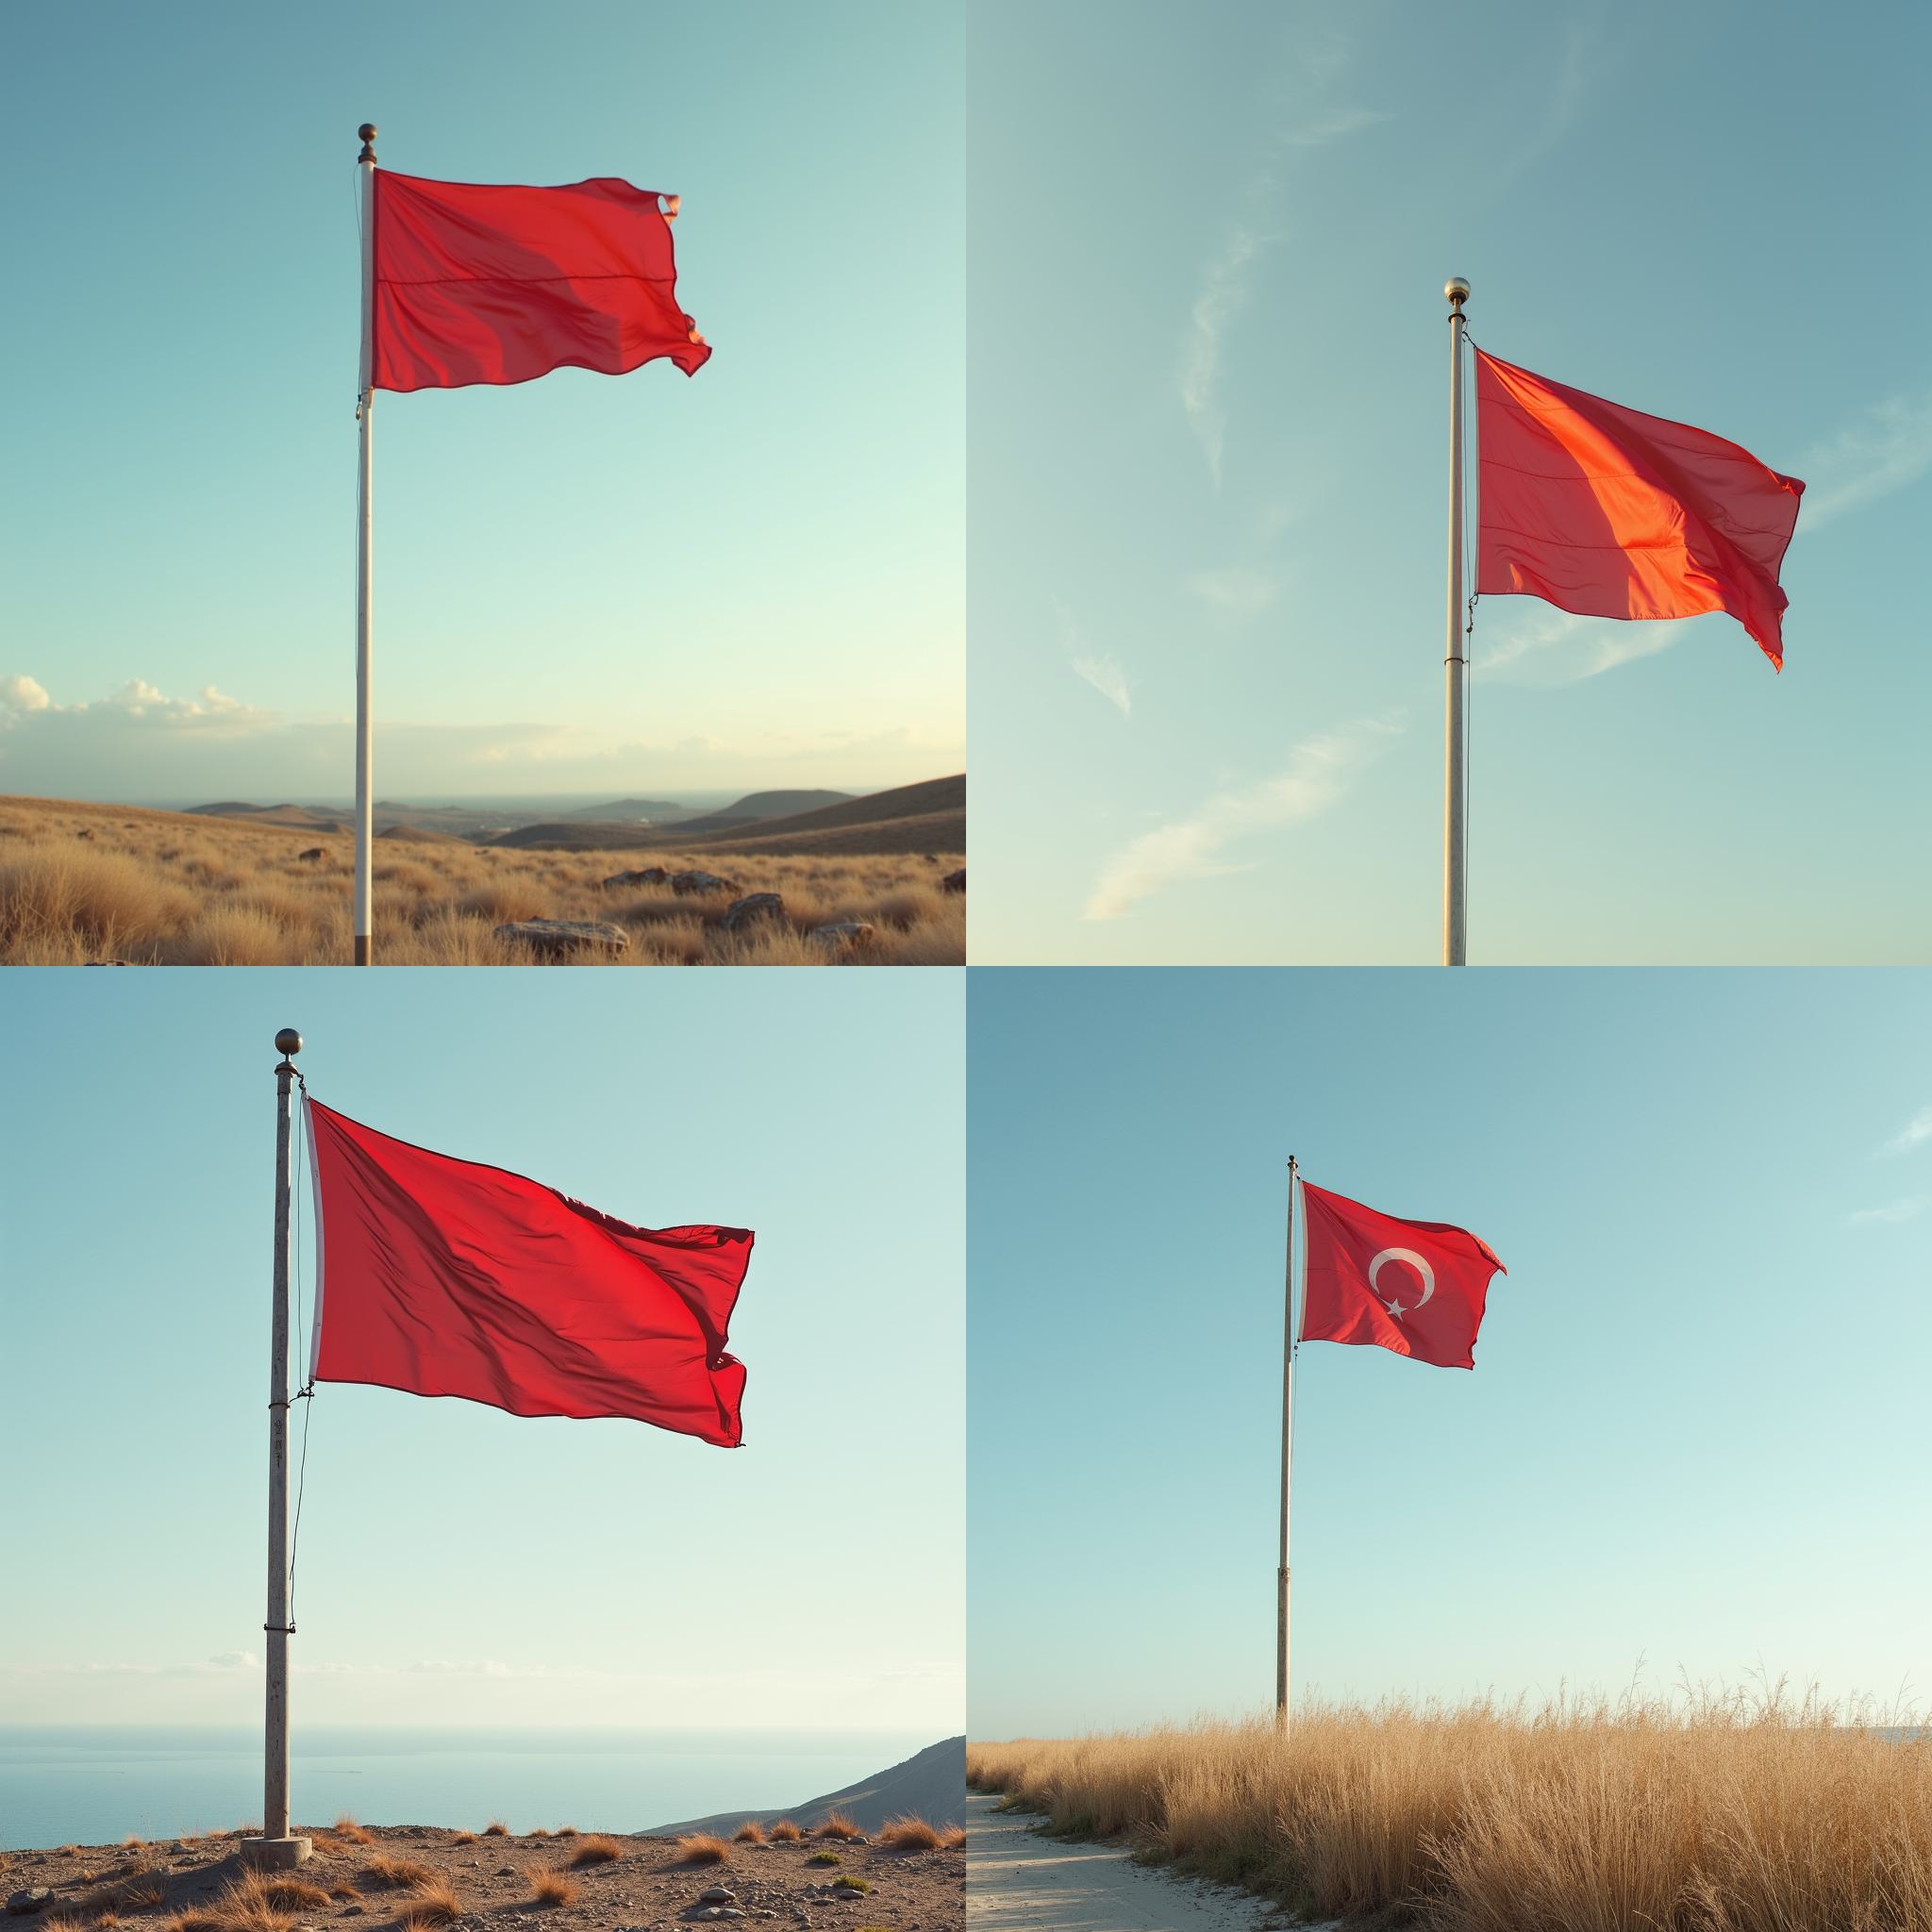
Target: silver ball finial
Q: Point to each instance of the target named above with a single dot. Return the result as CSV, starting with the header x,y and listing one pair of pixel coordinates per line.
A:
x,y
288,1042
1456,290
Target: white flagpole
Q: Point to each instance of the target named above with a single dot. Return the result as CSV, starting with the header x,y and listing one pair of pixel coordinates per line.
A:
x,y
366,395
1455,885
1288,1353
275,1848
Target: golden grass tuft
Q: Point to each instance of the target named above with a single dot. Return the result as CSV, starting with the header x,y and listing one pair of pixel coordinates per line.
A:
x,y
554,1888
750,1833
596,1849
464,1837
497,1828
953,1839
909,1835
703,1848
1714,1812
343,1894
565,1831
348,1830
390,1870
836,1824
435,1901
785,1832
133,1889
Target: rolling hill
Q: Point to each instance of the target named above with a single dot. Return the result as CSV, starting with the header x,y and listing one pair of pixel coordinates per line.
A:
x,y
931,1785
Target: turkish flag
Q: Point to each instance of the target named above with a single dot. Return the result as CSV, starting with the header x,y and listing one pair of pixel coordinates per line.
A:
x,y
1416,1288
1608,512
481,284
444,1277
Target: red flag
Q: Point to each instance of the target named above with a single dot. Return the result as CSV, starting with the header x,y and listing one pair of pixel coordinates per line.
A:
x,y
445,1278
476,284
1416,1288
1608,512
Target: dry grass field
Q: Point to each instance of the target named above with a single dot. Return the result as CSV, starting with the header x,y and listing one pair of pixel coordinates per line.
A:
x,y
1713,1813
82,882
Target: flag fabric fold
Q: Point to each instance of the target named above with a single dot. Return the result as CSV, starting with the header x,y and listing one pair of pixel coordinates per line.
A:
x,y
476,283
1607,513
441,1277
1416,1288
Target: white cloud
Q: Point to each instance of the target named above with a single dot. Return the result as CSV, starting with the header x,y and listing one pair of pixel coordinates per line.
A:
x,y
1224,293
235,1661
1317,775
23,695
1101,669
1888,448
1236,593
1906,1209
1915,1133
1526,650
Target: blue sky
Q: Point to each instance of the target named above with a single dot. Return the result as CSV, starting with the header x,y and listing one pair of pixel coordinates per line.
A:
x,y
581,583
1694,1432
1208,451
459,1566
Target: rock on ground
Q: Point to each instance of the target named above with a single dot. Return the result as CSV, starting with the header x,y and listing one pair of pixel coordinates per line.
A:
x,y
559,935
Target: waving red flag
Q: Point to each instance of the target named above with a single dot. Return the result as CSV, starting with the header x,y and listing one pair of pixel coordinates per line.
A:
x,y
442,1278
1608,512
485,284
1416,1288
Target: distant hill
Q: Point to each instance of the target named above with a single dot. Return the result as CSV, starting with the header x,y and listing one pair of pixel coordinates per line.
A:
x,y
421,834
931,1785
926,817
756,806
307,815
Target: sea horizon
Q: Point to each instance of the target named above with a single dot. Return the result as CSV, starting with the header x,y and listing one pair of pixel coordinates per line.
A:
x,y
97,1784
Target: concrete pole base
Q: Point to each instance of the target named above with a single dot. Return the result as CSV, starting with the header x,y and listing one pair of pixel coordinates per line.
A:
x,y
276,1854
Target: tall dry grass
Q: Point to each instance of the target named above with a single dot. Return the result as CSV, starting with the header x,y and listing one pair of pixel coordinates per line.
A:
x,y
81,883
1711,1812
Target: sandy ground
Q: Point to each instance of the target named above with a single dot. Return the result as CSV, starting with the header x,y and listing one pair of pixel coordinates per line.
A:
x,y
644,1889
1017,1881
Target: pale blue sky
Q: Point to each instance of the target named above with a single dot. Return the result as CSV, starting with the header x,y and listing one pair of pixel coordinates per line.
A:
x,y
1694,1432
1207,446
457,1565
752,577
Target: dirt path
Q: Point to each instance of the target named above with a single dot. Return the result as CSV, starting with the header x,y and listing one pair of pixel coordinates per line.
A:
x,y
1017,1881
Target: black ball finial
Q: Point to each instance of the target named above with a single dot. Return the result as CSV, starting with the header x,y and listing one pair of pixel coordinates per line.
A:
x,y
367,131
288,1042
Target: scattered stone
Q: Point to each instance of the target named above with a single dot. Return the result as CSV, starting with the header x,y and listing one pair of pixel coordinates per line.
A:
x,y
351,1911
505,1872
747,911
85,832
313,852
953,881
556,936
646,875
718,1895
29,1898
844,932
701,882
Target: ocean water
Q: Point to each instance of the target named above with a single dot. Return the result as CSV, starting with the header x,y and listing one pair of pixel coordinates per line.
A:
x,y
96,1786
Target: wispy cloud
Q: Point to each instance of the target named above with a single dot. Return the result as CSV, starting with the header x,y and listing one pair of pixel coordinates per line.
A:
x,y
1224,293
1101,669
1906,1209
1237,593
1300,119
1887,448
1318,773
1915,1133
1550,646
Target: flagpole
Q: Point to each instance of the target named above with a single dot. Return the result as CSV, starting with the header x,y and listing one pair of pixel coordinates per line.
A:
x,y
275,1848
365,395
1288,1352
1455,885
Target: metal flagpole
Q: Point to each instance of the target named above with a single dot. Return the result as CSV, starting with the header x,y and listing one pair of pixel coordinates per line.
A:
x,y
1288,1352
366,392
1455,886
274,1847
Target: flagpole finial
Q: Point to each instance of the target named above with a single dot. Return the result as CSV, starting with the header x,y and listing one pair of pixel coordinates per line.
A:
x,y
288,1042
1455,289
367,131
